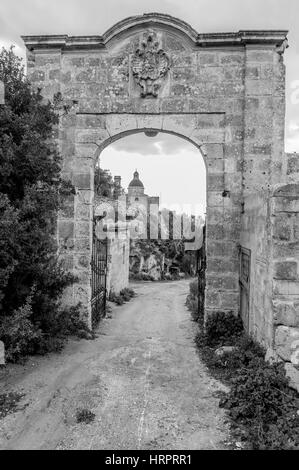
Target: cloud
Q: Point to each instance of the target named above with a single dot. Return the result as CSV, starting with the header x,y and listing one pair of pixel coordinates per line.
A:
x,y
88,17
292,144
162,144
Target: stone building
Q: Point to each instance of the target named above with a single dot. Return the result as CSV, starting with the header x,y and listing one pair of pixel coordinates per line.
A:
x,y
137,197
225,93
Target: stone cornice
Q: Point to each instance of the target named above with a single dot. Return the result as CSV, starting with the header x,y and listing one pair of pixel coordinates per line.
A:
x,y
65,42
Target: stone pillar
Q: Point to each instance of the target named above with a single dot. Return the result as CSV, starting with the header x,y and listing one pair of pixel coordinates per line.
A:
x,y
2,353
222,234
262,167
2,96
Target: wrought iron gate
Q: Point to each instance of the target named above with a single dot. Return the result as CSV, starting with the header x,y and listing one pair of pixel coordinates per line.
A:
x,y
201,275
98,278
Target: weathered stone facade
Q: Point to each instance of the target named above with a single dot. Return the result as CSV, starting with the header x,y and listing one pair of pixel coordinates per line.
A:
x,y
225,93
118,262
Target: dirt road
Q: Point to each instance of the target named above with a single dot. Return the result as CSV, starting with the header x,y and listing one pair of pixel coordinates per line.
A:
x,y
141,377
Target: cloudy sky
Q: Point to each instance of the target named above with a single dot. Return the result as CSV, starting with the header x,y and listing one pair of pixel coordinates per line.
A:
x,y
169,167
79,17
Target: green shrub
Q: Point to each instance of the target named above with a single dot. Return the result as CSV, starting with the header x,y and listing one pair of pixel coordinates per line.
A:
x,y
262,407
31,193
261,401
192,300
125,295
68,321
192,305
19,334
9,403
116,298
223,328
84,415
128,292
193,287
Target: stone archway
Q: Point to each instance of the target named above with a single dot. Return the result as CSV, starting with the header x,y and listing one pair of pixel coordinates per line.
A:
x,y
223,92
220,267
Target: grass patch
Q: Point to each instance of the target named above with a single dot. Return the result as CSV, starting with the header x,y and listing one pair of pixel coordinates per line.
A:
x,y
9,403
84,415
125,295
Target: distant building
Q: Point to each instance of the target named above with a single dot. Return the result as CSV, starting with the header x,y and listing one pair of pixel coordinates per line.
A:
x,y
137,197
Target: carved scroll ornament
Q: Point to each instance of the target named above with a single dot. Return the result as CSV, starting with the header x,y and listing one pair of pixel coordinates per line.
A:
x,y
150,65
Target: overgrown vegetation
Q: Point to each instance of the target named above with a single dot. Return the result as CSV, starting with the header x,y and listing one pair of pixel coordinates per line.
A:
x,y
152,260
192,299
263,409
84,415
125,295
31,192
105,185
9,403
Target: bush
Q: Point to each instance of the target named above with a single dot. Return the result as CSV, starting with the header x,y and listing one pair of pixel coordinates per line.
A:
x,y
261,405
223,328
31,193
142,277
192,305
116,298
83,415
261,401
19,334
68,321
192,300
9,403
125,295
193,287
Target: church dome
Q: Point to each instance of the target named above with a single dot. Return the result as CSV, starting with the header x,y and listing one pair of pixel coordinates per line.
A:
x,y
136,181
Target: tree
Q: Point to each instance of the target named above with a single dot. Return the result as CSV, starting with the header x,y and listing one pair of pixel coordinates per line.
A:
x,y
30,195
105,185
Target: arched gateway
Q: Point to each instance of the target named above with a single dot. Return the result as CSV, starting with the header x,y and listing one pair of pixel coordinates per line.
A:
x,y
225,93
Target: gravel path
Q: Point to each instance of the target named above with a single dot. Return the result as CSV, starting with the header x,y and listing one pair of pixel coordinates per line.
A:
x,y
141,377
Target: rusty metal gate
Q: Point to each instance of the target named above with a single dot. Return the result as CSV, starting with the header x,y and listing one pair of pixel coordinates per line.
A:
x,y
245,258
201,275
98,278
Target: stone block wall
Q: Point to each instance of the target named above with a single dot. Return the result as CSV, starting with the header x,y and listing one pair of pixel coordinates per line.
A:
x,y
285,219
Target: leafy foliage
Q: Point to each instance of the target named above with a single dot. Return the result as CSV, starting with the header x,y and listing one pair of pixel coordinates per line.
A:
x,y
261,401
19,334
262,407
31,192
84,415
223,328
192,299
9,403
125,295
105,185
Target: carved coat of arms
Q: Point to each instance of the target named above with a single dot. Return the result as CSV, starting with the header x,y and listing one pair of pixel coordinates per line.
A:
x,y
150,65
